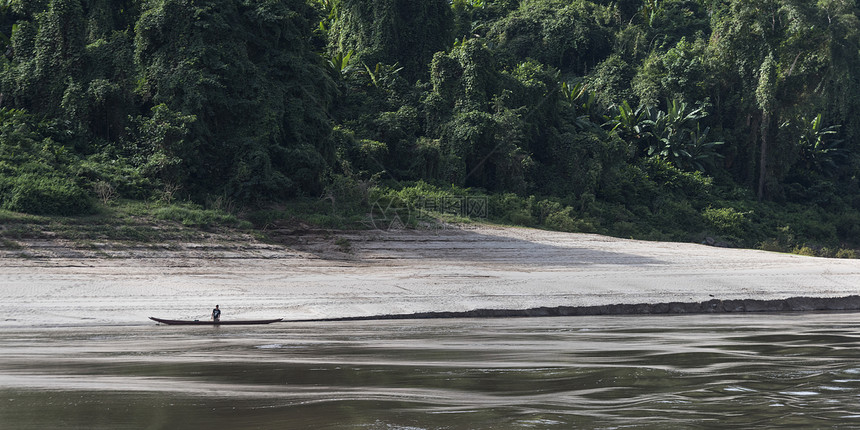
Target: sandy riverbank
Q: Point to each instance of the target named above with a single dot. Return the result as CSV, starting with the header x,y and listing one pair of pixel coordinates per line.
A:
x,y
318,275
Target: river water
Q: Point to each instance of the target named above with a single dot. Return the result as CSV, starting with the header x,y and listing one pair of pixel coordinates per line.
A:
x,y
733,371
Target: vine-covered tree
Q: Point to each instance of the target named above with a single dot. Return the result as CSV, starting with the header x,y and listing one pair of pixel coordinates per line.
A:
x,y
259,96
403,32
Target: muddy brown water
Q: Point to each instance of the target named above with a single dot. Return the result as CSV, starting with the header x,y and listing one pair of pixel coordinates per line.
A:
x,y
798,370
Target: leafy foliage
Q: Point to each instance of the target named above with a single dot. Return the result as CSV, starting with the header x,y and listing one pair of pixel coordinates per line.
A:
x,y
166,89
625,117
392,31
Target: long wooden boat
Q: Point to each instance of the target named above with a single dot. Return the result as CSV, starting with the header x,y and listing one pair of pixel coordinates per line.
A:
x,y
208,322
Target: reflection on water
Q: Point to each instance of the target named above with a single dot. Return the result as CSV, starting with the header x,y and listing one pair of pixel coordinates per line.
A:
x,y
747,371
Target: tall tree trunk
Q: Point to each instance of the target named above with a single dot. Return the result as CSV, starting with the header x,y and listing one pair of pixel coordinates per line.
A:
x,y
765,95
762,173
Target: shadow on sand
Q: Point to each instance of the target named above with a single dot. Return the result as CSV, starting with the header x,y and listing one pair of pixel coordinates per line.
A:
x,y
459,245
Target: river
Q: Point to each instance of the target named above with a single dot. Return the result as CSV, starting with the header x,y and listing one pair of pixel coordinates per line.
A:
x,y
797,370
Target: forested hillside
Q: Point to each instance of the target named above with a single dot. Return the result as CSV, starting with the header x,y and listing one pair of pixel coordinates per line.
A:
x,y
737,120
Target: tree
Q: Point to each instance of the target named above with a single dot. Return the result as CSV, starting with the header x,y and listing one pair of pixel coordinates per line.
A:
x,y
49,51
260,97
570,36
405,32
777,60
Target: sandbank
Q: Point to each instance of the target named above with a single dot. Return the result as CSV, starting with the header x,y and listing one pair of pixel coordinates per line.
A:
x,y
322,275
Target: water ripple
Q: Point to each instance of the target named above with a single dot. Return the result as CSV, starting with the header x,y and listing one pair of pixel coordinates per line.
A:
x,y
739,371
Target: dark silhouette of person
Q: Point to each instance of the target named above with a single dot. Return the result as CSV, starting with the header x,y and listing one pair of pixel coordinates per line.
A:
x,y
216,314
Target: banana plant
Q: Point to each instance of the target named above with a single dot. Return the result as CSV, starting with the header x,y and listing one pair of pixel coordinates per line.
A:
x,y
339,62
330,7
650,10
818,148
676,136
584,103
381,71
703,152
631,125
676,117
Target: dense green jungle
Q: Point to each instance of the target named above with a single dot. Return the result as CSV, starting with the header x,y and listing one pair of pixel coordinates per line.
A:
x,y
732,122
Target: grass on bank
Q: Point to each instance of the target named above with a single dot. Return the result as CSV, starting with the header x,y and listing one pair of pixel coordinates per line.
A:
x,y
732,223
121,221
806,230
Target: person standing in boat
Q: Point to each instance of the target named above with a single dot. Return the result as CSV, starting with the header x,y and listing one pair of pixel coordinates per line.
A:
x,y
216,314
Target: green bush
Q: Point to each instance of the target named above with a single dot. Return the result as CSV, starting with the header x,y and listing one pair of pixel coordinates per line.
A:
x,y
564,220
520,217
509,207
848,227
726,221
676,216
692,184
624,229
813,226
44,195
804,250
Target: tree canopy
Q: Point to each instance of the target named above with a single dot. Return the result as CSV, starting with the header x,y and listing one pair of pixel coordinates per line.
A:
x,y
597,104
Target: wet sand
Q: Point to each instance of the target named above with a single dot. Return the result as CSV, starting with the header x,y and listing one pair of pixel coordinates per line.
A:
x,y
319,275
